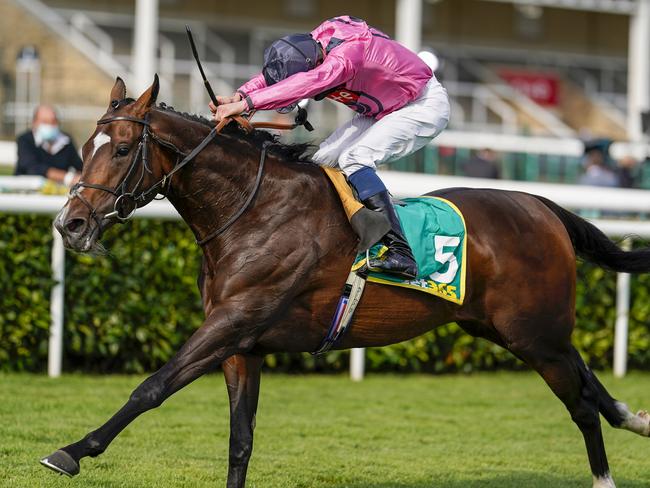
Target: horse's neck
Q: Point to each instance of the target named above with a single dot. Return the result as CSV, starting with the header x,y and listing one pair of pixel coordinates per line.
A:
x,y
215,186
207,188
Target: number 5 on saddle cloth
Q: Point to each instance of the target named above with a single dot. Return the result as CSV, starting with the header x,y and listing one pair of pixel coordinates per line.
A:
x,y
436,232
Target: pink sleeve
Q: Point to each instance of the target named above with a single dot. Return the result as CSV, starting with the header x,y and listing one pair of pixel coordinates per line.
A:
x,y
334,71
255,83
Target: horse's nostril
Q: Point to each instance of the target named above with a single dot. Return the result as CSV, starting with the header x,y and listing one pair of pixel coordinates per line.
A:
x,y
75,226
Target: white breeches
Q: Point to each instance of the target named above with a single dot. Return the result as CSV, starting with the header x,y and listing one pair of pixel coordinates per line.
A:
x,y
367,142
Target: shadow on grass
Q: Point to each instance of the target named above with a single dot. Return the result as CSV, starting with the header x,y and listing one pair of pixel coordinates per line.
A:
x,y
506,480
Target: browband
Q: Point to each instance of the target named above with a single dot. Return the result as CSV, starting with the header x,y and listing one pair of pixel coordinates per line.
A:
x,y
123,117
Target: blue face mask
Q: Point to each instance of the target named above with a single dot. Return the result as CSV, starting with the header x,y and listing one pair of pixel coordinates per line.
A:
x,y
48,132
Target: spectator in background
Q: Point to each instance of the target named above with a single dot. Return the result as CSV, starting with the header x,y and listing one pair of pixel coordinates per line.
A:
x,y
627,170
597,165
484,164
47,151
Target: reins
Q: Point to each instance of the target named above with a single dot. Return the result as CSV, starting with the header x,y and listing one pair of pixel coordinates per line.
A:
x,y
249,200
121,193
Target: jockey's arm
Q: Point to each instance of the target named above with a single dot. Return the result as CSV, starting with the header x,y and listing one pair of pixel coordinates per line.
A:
x,y
336,69
257,82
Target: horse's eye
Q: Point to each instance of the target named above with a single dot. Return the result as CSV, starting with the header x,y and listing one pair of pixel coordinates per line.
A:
x,y
122,151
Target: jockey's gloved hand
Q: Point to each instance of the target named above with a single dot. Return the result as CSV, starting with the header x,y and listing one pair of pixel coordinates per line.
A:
x,y
229,109
235,97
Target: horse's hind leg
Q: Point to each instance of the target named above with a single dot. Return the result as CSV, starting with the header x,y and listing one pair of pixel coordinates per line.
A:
x,y
570,379
242,373
618,414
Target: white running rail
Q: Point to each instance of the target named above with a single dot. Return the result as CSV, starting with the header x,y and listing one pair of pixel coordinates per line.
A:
x,y
449,138
402,184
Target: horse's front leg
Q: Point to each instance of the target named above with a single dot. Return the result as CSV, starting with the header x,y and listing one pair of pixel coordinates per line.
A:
x,y
242,373
224,333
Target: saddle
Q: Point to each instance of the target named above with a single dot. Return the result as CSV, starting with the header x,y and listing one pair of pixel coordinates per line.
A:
x,y
435,230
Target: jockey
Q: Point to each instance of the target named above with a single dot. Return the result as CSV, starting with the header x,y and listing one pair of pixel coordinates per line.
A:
x,y
400,107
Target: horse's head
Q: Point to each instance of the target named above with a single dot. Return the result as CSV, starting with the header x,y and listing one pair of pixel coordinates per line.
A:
x,y
121,168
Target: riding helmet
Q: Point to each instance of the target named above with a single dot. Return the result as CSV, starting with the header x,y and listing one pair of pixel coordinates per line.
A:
x,y
289,55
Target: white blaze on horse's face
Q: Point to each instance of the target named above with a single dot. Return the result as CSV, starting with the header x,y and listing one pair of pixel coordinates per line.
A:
x,y
99,140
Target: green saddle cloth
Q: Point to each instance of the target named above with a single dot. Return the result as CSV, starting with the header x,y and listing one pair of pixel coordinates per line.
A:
x,y
435,229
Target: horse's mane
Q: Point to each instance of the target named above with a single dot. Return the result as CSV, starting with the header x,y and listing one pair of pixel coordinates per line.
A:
x,y
296,152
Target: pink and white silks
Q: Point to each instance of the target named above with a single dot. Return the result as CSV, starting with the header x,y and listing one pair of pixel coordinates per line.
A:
x,y
400,104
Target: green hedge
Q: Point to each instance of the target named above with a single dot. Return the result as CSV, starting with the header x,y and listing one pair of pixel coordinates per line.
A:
x,y
130,310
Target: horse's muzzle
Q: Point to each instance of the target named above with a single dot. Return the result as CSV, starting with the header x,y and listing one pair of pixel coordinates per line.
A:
x,y
77,232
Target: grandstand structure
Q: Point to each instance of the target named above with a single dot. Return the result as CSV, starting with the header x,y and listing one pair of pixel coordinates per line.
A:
x,y
527,77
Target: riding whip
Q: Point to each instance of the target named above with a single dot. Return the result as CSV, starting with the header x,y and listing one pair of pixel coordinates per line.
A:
x,y
198,62
301,118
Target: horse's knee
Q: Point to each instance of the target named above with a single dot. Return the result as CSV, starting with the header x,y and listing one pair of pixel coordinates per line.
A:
x,y
240,453
148,395
586,417
585,412
241,446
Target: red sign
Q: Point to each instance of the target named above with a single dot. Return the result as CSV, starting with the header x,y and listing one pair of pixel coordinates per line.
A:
x,y
344,95
542,88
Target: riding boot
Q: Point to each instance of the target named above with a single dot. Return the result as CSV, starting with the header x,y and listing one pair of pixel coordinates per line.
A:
x,y
398,259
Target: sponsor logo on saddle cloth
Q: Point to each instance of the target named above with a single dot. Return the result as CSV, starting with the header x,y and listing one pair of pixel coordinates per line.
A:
x,y
435,229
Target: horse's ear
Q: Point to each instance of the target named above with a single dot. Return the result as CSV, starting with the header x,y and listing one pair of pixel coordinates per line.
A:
x,y
118,92
148,98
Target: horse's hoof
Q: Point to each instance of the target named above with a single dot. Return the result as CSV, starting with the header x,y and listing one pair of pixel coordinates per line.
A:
x,y
62,463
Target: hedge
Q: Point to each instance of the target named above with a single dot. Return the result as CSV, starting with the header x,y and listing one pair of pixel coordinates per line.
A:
x,y
128,311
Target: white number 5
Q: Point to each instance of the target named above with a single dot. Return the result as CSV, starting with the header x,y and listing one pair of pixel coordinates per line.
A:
x,y
441,242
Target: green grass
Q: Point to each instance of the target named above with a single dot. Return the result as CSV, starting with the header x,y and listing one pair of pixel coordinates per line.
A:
x,y
489,430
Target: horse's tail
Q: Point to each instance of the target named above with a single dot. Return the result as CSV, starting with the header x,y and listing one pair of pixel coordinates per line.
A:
x,y
592,245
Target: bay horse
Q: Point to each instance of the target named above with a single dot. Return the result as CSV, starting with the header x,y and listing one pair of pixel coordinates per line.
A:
x,y
266,288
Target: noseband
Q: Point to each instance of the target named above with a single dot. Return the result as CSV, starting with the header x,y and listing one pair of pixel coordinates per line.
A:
x,y
142,153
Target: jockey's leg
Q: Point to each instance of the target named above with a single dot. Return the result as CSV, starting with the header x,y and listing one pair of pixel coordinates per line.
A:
x,y
399,258
396,135
338,141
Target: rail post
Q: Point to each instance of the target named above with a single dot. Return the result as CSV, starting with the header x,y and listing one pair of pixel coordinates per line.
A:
x,y
144,59
55,345
639,69
622,319
408,23
357,363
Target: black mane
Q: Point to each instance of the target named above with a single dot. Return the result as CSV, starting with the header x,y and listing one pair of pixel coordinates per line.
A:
x,y
297,152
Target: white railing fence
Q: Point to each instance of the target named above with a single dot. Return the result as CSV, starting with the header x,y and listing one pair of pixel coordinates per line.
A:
x,y
402,185
510,143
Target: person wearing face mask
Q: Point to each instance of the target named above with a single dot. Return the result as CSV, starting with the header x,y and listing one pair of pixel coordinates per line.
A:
x,y
47,151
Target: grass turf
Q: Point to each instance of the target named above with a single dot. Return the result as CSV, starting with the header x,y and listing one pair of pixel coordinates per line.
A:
x,y
486,430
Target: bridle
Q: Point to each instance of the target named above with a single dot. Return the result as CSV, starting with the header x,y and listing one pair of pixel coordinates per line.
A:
x,y
121,192
123,195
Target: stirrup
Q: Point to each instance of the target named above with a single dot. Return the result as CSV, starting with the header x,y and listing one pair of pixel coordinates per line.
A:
x,y
403,273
